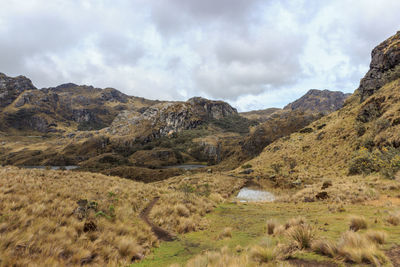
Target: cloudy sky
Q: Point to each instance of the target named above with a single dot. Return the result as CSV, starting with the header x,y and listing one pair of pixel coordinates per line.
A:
x,y
252,53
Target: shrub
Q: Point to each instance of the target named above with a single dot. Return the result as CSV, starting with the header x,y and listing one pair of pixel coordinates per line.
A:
x,y
234,123
306,130
358,223
246,166
360,128
276,167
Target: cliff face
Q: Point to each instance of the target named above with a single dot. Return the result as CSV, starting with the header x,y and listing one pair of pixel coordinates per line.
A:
x,y
384,67
166,119
11,88
318,101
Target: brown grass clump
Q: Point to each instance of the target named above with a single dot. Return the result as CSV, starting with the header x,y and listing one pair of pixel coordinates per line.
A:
x,y
279,230
358,223
226,233
295,222
219,258
379,237
263,254
325,247
358,248
354,247
302,235
271,224
394,219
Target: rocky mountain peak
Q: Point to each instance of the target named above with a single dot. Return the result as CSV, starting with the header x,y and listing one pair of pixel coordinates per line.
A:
x,y
384,66
11,88
322,101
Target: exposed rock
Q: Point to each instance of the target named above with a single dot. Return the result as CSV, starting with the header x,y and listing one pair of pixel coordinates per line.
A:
x,y
247,171
326,184
322,195
384,66
319,101
165,119
65,106
11,88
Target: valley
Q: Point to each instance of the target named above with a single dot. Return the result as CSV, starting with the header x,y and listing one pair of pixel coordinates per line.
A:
x,y
196,183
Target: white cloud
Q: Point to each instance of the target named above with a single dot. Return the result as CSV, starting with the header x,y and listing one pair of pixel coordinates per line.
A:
x,y
252,53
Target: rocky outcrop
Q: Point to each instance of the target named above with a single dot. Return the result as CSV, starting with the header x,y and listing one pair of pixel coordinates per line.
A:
x,y
169,118
384,67
67,106
319,101
11,88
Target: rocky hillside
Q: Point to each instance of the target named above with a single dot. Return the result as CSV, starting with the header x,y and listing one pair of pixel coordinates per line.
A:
x,y
318,101
167,119
283,122
259,115
384,67
60,109
11,88
361,138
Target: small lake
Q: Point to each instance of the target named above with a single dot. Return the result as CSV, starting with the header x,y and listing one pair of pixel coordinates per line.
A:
x,y
254,195
72,167
186,166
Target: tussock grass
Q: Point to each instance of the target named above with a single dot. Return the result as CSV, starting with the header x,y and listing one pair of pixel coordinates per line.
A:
x,y
263,254
271,224
226,233
358,223
394,218
354,247
302,235
58,218
379,237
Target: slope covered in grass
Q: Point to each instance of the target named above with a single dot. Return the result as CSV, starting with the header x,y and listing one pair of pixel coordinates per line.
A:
x,y
72,218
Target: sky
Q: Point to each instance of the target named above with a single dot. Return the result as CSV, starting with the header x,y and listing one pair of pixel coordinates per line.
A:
x,y
254,54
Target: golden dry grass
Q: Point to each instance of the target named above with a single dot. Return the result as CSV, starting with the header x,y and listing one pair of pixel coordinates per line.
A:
x,y
71,218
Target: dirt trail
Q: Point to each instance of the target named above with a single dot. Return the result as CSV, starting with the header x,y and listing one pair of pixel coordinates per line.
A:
x,y
158,231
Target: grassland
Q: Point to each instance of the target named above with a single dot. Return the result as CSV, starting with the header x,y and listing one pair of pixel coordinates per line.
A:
x,y
73,218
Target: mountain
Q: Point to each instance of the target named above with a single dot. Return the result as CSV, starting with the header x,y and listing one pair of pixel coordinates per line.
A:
x,y
278,123
359,139
322,101
60,109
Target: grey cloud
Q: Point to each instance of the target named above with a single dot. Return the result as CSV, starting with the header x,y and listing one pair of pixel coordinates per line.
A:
x,y
171,49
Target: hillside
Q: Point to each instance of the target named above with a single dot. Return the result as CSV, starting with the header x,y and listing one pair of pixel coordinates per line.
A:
x,y
359,139
62,218
318,101
65,108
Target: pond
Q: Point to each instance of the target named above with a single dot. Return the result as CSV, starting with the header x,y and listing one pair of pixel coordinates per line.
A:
x,y
72,167
186,166
254,195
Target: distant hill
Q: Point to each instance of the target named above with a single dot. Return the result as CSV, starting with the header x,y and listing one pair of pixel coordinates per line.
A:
x,y
323,101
